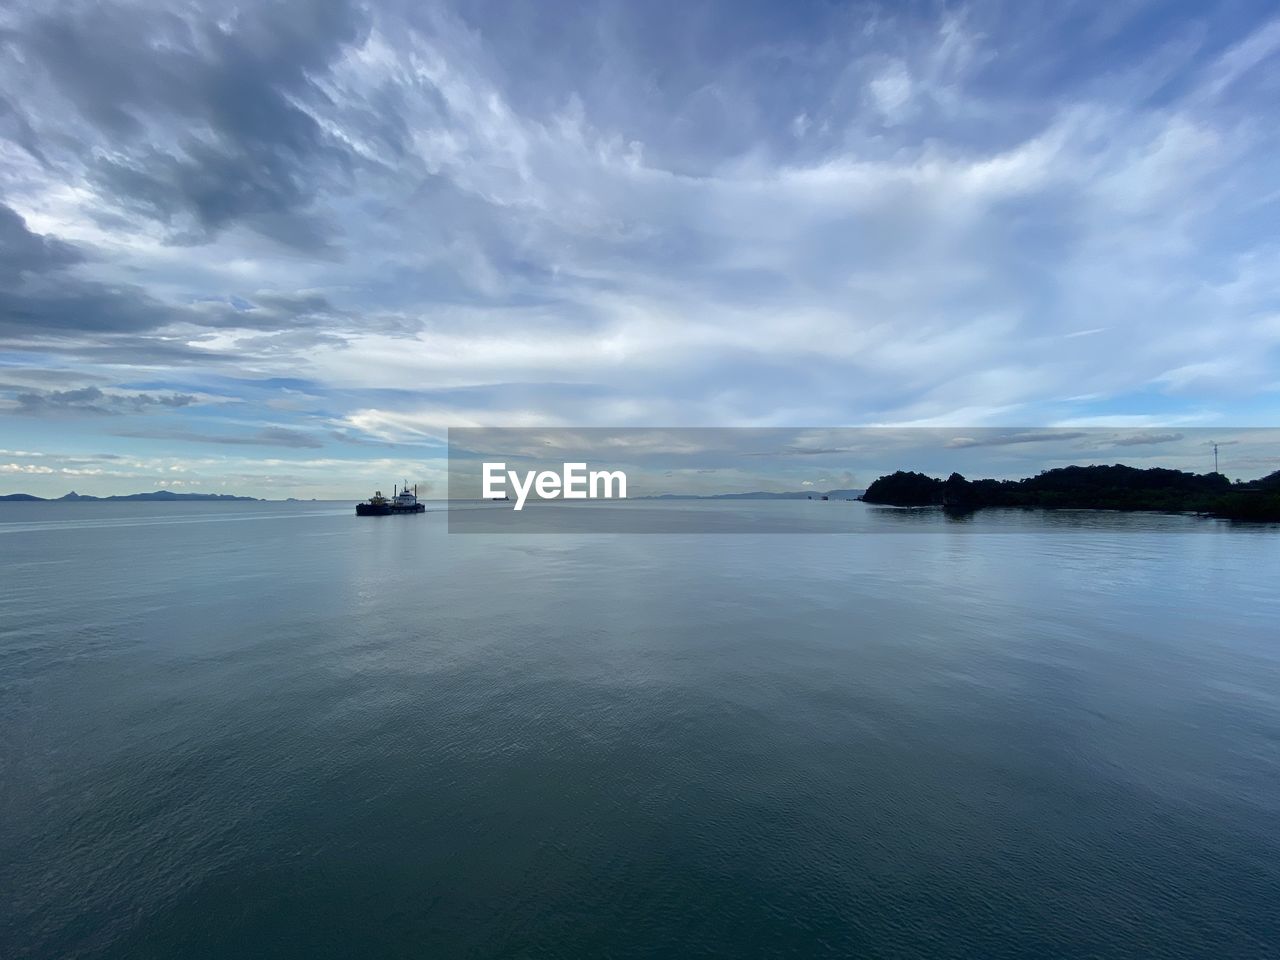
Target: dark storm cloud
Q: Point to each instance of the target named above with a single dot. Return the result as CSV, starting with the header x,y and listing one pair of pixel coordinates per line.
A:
x,y
58,308
23,252
202,113
91,400
39,295
217,188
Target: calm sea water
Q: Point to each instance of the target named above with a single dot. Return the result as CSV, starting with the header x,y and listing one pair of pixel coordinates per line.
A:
x,y
275,730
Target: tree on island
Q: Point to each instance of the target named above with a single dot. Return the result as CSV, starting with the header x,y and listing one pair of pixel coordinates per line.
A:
x,y
1114,487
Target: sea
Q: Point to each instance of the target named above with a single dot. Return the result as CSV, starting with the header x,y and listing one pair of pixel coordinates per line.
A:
x,y
244,730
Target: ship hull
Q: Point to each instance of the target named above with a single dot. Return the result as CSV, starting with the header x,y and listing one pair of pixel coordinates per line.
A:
x,y
386,509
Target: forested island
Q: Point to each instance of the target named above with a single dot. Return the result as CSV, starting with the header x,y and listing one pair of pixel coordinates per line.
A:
x,y
1115,487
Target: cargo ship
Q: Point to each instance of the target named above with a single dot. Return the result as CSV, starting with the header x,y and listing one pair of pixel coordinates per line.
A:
x,y
402,501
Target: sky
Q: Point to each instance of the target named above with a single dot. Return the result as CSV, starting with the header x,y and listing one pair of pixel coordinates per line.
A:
x,y
280,248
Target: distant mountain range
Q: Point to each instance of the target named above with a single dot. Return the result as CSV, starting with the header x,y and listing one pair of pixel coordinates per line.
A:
x,y
762,495
156,495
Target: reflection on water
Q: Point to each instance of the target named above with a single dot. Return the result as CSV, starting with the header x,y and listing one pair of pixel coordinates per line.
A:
x,y
801,516
335,737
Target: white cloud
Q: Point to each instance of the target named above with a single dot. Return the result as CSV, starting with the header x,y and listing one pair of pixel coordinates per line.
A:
x,y
891,92
900,238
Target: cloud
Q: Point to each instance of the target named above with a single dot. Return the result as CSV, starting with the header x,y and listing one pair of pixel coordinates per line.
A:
x,y
1006,439
94,401
200,122
23,252
437,213
39,296
266,437
1146,439
43,295
433,424
26,468
891,92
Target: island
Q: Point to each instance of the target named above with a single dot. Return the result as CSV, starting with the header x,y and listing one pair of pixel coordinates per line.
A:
x,y
162,495
1103,487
